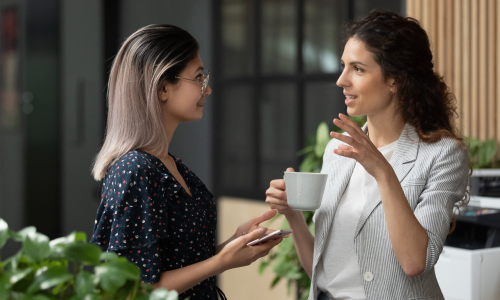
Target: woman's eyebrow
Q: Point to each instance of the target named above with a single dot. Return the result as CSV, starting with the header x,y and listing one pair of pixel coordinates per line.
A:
x,y
357,63
200,68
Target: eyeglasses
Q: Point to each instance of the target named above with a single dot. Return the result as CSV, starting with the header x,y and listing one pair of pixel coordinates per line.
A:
x,y
204,83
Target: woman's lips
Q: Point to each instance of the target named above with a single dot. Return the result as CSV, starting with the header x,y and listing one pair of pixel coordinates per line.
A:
x,y
350,99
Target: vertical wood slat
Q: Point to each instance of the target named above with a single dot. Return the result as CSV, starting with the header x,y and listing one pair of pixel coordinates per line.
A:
x,y
417,6
458,62
497,68
410,8
448,38
482,71
492,57
465,39
440,57
466,43
441,45
474,105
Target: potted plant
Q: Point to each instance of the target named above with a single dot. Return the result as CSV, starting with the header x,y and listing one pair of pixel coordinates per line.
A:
x,y
68,268
285,262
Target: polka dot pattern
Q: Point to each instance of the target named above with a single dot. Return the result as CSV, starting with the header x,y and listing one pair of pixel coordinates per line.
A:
x,y
148,217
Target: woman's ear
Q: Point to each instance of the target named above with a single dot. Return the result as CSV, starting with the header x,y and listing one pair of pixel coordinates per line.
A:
x,y
392,85
163,92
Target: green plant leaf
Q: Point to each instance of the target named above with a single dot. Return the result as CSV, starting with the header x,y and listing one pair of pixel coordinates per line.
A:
x,y
36,247
36,297
18,275
108,256
4,286
82,252
112,275
15,236
77,237
27,231
275,281
322,139
13,261
84,283
486,153
49,278
163,294
481,154
4,232
262,267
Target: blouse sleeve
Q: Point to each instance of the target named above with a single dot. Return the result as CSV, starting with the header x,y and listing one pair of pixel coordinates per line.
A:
x,y
147,259
132,216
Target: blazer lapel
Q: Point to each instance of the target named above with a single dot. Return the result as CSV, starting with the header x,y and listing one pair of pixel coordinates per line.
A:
x,y
338,179
402,161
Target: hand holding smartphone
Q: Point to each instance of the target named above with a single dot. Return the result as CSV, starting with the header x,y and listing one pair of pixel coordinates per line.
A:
x,y
272,236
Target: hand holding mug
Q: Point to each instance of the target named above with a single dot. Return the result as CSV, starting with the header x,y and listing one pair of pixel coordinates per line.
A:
x,y
276,196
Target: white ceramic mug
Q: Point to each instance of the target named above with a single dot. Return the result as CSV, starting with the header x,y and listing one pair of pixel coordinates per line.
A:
x,y
305,190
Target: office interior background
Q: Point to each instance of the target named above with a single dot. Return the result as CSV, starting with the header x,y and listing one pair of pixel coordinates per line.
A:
x,y
273,64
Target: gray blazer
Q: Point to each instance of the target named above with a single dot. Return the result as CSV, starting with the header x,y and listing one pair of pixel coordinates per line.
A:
x,y
433,177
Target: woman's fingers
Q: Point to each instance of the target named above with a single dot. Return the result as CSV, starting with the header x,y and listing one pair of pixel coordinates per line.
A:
x,y
256,234
345,153
276,193
345,138
278,184
345,147
353,124
264,217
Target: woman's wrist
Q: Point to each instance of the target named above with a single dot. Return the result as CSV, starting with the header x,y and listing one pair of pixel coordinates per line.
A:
x,y
293,216
385,175
219,264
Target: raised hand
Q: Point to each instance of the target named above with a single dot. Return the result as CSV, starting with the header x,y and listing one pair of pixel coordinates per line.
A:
x,y
360,147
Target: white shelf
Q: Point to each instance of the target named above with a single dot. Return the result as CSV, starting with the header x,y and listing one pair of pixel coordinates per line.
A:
x,y
485,202
486,173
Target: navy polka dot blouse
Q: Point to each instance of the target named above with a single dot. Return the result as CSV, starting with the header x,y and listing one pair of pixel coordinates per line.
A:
x,y
148,217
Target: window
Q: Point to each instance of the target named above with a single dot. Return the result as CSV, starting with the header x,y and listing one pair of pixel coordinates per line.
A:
x,y
275,67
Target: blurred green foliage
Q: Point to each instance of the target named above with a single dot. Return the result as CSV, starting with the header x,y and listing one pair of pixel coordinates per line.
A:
x,y
482,154
285,261
50,270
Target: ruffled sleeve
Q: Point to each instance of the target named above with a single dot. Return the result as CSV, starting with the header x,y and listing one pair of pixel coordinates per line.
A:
x,y
133,212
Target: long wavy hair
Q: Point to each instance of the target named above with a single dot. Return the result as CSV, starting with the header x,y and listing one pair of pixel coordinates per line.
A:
x,y
150,56
402,49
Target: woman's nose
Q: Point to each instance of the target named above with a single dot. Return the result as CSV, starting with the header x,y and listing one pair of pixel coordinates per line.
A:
x,y
343,80
208,90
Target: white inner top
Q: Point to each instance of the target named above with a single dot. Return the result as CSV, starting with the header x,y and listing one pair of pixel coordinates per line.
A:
x,y
338,271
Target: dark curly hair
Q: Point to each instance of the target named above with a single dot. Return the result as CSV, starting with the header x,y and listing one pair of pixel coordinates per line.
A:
x,y
401,47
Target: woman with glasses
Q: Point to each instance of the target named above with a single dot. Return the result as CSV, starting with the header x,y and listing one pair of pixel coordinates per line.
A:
x,y
393,184
154,210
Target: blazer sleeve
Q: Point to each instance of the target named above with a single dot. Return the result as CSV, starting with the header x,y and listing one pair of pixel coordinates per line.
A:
x,y
445,186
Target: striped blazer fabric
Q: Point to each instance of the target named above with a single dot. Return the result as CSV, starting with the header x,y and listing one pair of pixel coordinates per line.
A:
x,y
433,177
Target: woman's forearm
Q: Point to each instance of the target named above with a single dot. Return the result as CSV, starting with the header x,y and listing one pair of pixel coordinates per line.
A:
x,y
408,238
183,279
302,239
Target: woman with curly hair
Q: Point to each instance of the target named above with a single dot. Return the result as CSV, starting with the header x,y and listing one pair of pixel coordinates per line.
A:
x,y
392,184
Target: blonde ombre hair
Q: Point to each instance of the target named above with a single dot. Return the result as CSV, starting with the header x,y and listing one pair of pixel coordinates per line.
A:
x,y
150,56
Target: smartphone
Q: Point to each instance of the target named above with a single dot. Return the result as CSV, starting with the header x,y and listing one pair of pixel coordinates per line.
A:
x,y
269,237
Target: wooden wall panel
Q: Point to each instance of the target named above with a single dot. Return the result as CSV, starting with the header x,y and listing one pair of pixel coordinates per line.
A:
x,y
490,65
465,38
497,98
